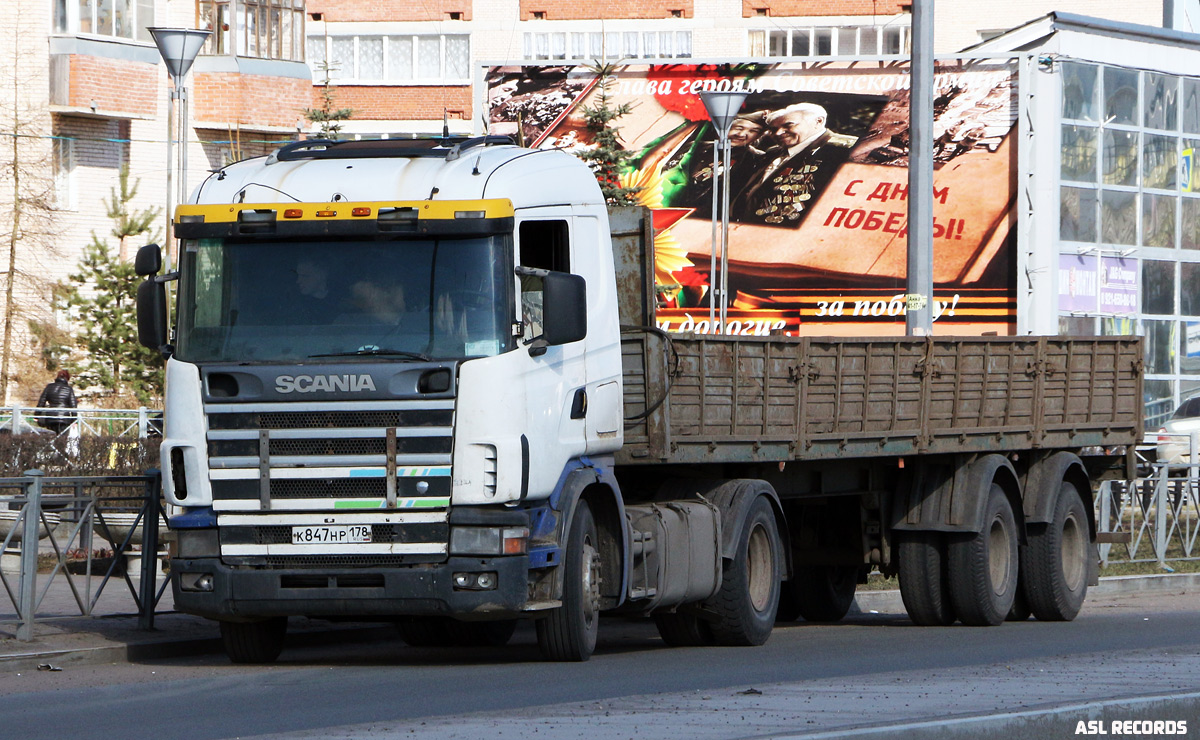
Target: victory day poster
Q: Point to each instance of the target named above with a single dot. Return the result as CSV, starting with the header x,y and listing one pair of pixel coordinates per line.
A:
x,y
817,184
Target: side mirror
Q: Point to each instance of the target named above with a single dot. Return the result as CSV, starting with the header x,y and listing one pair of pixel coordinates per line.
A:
x,y
152,312
148,260
565,303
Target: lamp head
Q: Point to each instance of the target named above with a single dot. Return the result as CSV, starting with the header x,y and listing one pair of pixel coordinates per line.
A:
x,y
722,108
179,47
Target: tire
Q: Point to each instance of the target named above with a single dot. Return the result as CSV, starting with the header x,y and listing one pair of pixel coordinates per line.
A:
x,y
1054,563
983,565
744,607
826,591
789,602
568,632
254,642
925,579
683,628
425,632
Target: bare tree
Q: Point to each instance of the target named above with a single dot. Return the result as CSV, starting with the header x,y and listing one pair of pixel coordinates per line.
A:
x,y
27,209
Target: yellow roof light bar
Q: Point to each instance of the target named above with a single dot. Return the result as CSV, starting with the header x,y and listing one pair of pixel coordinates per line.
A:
x,y
344,210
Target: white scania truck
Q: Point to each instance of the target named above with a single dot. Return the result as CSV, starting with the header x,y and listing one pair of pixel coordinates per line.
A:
x,y
417,381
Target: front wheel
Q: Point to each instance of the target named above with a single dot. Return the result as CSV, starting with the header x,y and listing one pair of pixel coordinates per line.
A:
x,y
568,632
746,603
254,642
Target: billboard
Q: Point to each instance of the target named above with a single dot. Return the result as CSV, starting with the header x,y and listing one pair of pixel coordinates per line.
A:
x,y
817,185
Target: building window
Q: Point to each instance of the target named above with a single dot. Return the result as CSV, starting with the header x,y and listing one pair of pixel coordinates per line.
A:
x,y
1129,223
592,45
123,19
421,59
64,173
827,41
263,29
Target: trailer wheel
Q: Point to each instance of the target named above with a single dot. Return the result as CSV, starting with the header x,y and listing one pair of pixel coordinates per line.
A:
x,y
568,632
826,591
254,642
1054,566
745,605
683,628
983,565
924,579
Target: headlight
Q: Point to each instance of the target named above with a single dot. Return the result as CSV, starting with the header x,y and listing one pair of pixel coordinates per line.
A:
x,y
489,540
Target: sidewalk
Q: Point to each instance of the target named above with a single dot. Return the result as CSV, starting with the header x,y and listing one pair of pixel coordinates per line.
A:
x,y
112,633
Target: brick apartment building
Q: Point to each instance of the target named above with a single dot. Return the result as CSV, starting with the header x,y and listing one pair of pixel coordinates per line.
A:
x,y
83,92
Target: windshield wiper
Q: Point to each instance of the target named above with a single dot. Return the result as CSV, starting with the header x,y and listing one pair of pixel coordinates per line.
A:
x,y
377,351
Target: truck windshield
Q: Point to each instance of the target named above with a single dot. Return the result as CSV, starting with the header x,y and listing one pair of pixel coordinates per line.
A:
x,y
289,301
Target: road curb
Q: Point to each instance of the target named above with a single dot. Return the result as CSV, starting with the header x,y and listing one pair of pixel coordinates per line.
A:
x,y
889,602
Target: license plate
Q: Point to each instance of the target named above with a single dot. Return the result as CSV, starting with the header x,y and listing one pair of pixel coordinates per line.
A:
x,y
335,534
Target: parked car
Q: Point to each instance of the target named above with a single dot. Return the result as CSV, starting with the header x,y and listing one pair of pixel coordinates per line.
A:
x,y
1174,436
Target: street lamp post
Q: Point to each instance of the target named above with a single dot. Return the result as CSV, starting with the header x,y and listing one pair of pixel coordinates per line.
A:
x,y
178,48
722,108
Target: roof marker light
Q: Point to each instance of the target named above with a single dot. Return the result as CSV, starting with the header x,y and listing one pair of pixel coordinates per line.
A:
x,y
362,211
470,214
293,213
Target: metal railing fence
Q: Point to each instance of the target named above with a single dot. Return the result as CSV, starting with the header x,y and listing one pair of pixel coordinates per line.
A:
x,y
1156,517
69,514
134,423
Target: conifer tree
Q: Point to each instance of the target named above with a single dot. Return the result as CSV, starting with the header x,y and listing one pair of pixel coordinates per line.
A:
x,y
609,159
102,297
329,117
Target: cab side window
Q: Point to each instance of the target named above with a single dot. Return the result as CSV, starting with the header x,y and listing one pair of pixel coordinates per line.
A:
x,y
544,245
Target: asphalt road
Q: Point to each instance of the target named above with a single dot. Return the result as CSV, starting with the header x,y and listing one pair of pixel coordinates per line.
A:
x,y
874,669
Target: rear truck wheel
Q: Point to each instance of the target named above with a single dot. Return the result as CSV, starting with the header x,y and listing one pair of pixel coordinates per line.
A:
x,y
825,591
744,607
683,628
1054,563
254,642
568,632
983,565
925,578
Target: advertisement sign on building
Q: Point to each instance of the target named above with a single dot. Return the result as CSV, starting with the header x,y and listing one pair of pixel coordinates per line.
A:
x,y
818,186
1078,283
1118,285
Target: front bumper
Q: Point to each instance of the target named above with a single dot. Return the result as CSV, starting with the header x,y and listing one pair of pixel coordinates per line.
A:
x,y
249,593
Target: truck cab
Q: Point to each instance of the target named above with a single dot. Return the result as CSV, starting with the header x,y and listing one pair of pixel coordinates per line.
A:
x,y
387,358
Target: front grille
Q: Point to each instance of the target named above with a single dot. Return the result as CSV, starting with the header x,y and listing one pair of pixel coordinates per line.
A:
x,y
331,419
328,488
352,446
333,457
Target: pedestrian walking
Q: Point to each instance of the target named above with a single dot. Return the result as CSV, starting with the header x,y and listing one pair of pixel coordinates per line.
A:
x,y
57,395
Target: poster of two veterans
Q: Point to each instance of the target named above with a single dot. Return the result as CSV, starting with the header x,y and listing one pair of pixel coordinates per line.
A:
x,y
817,185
